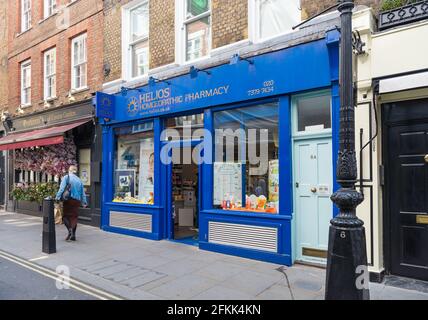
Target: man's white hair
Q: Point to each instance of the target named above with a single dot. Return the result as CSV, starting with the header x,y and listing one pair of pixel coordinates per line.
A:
x,y
72,169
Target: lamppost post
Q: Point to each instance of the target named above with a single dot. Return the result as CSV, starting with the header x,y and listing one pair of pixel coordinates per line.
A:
x,y
347,257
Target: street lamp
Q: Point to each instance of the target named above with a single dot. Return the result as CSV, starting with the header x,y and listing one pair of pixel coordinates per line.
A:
x,y
347,256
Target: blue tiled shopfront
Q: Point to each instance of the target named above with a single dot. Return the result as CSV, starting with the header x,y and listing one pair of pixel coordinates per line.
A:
x,y
138,197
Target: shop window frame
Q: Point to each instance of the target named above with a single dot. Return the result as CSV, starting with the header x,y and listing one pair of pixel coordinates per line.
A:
x,y
284,157
112,168
294,114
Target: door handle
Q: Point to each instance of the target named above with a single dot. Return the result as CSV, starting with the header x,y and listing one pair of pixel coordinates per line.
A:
x,y
314,190
426,158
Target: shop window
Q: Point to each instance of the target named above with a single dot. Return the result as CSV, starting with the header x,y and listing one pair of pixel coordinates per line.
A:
x,y
274,17
246,167
313,113
134,163
185,126
85,166
195,33
136,39
50,74
26,83
79,62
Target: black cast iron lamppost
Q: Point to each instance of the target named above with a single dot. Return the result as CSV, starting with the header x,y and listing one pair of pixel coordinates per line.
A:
x,y
347,257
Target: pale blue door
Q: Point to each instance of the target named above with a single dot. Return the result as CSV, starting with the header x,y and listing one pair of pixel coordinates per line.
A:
x,y
313,187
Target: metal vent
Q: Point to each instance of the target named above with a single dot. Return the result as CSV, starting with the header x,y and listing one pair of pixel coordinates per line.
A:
x,y
131,221
244,236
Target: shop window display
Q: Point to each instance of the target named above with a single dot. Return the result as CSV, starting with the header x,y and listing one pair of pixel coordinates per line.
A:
x,y
134,163
246,168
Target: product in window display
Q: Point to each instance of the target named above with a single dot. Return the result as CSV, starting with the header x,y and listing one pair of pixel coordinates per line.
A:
x,y
125,184
147,166
227,182
274,180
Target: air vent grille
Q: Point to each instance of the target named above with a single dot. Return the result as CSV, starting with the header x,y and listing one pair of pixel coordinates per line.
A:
x,y
244,236
131,221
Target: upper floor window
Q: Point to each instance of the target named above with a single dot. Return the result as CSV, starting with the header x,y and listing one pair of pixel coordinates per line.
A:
x,y
26,83
49,7
79,62
275,17
25,15
193,35
197,26
49,74
139,39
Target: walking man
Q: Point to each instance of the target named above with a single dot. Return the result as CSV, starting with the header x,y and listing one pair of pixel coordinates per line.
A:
x,y
72,193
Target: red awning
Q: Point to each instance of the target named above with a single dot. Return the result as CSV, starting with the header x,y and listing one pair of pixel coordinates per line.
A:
x,y
38,138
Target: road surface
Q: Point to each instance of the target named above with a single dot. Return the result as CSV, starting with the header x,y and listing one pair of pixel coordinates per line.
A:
x,y
21,283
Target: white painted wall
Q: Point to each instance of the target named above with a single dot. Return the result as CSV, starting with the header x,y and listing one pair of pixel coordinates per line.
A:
x,y
388,53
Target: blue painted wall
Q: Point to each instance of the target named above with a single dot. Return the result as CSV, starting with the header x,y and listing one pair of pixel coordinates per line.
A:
x,y
303,68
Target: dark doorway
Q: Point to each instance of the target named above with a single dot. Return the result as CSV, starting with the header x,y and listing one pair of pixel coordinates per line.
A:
x,y
406,188
185,202
2,179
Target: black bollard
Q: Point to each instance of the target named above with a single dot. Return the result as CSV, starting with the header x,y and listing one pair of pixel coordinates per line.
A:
x,y
49,236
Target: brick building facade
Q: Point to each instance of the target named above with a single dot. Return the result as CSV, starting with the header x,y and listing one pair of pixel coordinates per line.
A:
x,y
3,55
53,53
231,25
56,31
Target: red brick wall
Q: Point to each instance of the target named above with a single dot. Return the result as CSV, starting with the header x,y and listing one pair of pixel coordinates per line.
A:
x,y
85,16
3,55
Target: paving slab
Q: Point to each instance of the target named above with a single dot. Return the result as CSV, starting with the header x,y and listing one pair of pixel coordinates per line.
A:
x,y
135,268
185,287
250,282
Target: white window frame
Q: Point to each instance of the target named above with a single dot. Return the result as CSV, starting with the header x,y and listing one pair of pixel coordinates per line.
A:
x,y
49,8
254,21
25,15
180,32
49,75
25,87
79,64
128,44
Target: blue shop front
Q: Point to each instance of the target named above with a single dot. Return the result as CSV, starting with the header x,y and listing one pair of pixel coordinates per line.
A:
x,y
236,159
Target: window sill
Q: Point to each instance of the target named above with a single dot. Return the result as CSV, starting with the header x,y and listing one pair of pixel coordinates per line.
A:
x,y
71,3
48,17
136,81
26,106
79,90
52,99
132,205
247,214
24,32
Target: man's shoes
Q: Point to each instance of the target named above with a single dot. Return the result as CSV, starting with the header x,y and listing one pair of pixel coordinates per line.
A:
x,y
73,234
69,235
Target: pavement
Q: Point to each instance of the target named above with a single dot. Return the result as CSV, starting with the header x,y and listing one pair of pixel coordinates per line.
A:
x,y
134,268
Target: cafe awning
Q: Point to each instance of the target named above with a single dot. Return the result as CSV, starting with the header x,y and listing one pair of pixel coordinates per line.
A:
x,y
38,138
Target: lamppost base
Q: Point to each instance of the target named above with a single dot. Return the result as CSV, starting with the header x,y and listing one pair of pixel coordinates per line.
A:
x,y
347,274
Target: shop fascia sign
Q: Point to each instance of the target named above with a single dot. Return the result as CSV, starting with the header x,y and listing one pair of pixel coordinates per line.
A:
x,y
295,69
53,117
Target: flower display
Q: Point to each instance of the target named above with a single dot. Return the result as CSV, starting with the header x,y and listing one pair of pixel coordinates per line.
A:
x,y
54,160
34,192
